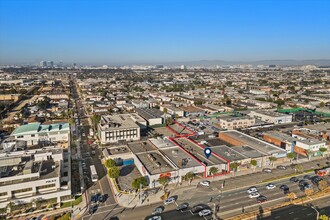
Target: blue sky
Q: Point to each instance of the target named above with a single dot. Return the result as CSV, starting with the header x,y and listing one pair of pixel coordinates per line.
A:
x,y
141,31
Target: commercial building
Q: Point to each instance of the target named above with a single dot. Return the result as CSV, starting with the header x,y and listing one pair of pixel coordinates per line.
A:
x,y
35,175
231,122
252,147
113,128
152,116
271,117
35,133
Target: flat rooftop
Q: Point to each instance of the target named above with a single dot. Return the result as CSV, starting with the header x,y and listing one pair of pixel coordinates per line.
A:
x,y
154,162
180,130
228,153
261,146
248,151
271,113
141,146
116,122
148,113
191,109
198,152
280,136
117,150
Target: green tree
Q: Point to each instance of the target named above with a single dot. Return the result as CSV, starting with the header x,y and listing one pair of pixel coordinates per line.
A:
x,y
272,160
189,176
290,156
213,170
113,172
164,181
169,121
323,150
234,166
110,163
139,181
309,154
254,164
322,104
324,217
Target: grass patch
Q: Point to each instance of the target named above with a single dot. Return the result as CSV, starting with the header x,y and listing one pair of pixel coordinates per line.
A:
x,y
74,203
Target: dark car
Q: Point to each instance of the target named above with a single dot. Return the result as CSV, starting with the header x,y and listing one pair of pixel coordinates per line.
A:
x,y
283,187
101,199
316,179
182,206
261,199
197,209
92,209
302,182
294,179
94,198
307,177
286,191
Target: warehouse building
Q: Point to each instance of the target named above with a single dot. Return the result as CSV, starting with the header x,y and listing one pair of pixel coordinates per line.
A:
x,y
271,117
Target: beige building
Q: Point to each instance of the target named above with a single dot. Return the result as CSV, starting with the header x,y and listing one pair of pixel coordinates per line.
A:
x,y
236,122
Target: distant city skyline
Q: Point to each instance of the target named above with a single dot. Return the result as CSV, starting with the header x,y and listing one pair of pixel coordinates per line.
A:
x,y
149,32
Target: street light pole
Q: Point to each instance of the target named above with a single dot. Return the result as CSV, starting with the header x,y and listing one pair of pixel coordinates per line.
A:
x,y
317,212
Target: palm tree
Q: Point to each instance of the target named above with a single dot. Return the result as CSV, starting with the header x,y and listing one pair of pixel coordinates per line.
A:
x,y
290,156
323,150
309,154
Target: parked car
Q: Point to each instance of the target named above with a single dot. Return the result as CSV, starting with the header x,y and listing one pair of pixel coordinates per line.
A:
x,y
267,170
205,183
294,179
205,212
270,186
316,179
281,167
182,206
252,189
261,199
156,217
101,198
92,210
254,195
170,200
157,210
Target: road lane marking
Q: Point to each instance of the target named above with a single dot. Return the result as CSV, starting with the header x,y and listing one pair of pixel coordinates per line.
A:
x,y
277,216
310,214
291,213
304,209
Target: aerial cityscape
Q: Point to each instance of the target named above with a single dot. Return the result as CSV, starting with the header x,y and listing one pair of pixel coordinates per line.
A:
x,y
164,110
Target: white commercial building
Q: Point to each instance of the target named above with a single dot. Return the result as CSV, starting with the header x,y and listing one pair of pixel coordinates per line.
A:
x,y
35,133
113,128
35,175
236,122
271,117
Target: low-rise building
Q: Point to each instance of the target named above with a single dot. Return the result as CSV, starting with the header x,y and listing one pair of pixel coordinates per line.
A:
x,y
231,122
151,115
271,117
35,133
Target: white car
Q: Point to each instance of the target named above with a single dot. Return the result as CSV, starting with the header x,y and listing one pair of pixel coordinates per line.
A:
x,y
270,186
205,183
156,217
169,201
254,195
205,212
252,190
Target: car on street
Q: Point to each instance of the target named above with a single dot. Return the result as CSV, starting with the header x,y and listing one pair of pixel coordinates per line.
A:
x,y
205,183
252,189
283,187
205,212
281,167
182,206
294,179
157,210
197,208
316,179
94,198
307,177
254,195
270,186
286,191
267,170
261,199
101,199
170,200
156,217
92,209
